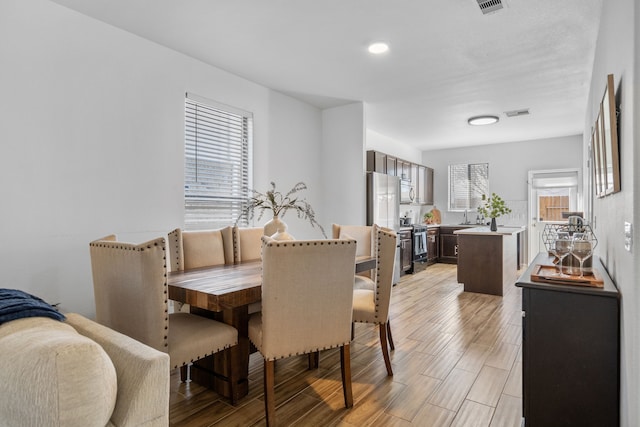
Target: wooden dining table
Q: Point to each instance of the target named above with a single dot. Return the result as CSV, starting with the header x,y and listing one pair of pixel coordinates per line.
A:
x,y
225,293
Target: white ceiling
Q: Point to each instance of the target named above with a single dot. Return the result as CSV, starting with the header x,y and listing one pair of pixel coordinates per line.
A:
x,y
447,60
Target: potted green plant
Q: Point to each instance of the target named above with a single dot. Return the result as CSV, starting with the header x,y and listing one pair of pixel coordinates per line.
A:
x,y
428,218
278,204
493,207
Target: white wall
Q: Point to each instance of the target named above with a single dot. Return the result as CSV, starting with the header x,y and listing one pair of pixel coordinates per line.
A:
x,y
617,53
92,134
384,144
295,141
508,166
343,171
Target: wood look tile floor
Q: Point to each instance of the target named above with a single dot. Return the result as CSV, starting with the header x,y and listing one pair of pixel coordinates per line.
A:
x,y
457,363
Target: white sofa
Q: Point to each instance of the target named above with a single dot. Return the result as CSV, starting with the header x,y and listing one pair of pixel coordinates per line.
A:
x,y
79,373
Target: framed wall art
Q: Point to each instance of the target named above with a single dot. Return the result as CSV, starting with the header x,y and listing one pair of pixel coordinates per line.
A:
x,y
596,161
610,174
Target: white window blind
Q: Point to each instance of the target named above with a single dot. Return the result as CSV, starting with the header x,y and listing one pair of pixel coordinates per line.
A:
x,y
467,184
217,163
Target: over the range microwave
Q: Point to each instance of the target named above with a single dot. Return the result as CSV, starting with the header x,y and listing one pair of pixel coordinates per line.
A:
x,y
407,192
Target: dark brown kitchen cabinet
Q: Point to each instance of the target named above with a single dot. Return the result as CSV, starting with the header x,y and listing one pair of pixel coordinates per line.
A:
x,y
570,352
448,245
433,238
419,176
406,253
376,161
391,166
424,185
404,169
427,191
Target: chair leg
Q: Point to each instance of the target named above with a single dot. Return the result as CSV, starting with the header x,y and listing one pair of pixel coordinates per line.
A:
x,y
184,373
314,360
385,349
269,392
389,337
345,368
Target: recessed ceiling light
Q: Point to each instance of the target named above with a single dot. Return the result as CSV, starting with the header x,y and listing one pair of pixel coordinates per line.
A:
x,y
482,120
378,48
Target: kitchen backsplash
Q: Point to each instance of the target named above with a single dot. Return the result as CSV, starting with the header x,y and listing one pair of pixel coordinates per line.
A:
x,y
517,217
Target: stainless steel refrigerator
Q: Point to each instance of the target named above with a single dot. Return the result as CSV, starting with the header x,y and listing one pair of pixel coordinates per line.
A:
x,y
383,207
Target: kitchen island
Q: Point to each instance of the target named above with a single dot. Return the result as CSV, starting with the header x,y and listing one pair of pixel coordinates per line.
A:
x,y
488,260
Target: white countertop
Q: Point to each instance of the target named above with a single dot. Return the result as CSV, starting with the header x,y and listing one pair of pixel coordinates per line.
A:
x,y
486,231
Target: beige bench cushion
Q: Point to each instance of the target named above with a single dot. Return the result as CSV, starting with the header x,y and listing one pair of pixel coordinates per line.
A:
x,y
52,376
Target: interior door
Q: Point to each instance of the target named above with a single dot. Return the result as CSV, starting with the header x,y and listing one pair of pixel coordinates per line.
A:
x,y
553,196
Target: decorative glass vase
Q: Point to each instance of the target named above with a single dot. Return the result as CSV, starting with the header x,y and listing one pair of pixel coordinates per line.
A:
x,y
494,226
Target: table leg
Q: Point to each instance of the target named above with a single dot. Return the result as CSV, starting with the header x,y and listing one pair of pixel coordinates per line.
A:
x,y
213,371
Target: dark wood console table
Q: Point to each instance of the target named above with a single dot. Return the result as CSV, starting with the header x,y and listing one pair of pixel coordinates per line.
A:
x,y
570,352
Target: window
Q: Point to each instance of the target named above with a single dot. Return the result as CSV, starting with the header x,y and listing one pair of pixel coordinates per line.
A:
x,y
467,184
217,163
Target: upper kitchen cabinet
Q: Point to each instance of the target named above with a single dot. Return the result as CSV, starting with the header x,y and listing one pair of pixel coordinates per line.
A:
x,y
422,178
425,186
392,166
376,161
404,169
418,177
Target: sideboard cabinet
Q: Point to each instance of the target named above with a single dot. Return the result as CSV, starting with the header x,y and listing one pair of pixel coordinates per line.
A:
x,y
570,352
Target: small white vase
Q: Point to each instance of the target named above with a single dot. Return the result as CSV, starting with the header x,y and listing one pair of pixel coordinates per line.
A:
x,y
282,233
271,227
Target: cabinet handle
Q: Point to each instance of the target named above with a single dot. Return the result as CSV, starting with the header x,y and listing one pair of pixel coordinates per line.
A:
x,y
524,313
456,250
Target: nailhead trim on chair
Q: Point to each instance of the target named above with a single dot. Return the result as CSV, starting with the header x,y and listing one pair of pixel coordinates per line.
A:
x,y
200,357
278,244
141,248
236,245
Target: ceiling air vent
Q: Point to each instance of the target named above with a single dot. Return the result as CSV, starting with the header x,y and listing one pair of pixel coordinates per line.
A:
x,y
516,113
488,6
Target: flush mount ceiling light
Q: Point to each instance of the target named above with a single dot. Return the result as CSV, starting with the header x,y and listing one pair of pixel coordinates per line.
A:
x,y
378,48
483,120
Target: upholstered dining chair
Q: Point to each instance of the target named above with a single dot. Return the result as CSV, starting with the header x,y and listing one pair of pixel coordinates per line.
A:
x,y
247,244
307,295
199,248
362,234
371,302
130,287
366,237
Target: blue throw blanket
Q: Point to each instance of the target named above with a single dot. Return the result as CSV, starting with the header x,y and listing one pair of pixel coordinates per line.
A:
x,y
15,304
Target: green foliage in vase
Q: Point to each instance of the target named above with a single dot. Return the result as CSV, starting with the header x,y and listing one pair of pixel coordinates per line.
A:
x,y
493,206
278,204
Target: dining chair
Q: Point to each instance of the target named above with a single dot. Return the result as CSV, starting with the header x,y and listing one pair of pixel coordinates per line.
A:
x,y
362,234
371,302
307,296
247,244
365,235
199,248
130,288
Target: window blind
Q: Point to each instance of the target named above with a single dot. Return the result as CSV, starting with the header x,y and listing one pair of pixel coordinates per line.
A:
x,y
467,184
217,163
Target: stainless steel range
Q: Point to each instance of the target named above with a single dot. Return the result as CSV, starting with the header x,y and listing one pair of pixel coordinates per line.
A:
x,y
419,244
